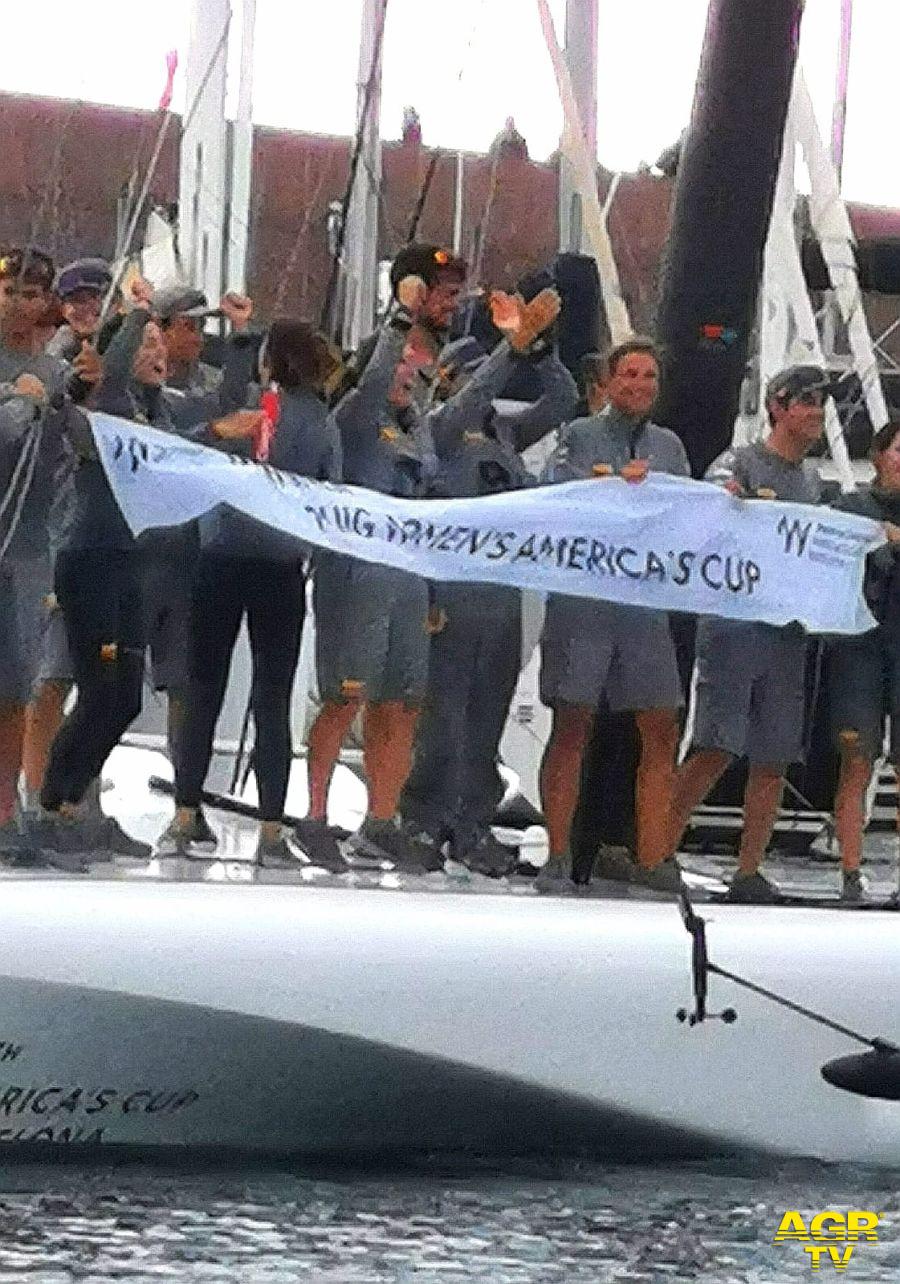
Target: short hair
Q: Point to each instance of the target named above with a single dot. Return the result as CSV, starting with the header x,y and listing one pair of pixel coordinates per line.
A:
x,y
593,368
30,265
636,343
884,438
431,262
299,356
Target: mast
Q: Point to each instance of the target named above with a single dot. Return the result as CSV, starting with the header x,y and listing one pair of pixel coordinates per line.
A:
x,y
237,211
580,55
203,161
721,212
839,112
361,246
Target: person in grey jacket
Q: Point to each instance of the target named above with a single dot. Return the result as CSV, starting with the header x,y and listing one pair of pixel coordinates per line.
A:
x,y
372,620
247,570
98,581
34,464
475,658
590,647
749,682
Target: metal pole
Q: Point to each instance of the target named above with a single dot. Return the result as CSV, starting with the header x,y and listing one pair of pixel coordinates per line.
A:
x,y
202,177
839,111
362,218
458,200
238,210
580,55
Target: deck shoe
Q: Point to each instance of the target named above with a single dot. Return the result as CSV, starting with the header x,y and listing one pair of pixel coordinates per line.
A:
x,y
616,864
753,889
320,845
489,857
555,875
854,887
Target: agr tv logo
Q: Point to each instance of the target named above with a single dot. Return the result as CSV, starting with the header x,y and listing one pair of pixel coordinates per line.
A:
x,y
827,1232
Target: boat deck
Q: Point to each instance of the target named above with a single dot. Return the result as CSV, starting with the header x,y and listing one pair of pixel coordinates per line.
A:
x,y
144,813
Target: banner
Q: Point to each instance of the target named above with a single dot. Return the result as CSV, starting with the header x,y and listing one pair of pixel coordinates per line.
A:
x,y
667,543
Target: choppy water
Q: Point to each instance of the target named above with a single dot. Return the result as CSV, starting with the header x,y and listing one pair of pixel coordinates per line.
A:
x,y
431,1225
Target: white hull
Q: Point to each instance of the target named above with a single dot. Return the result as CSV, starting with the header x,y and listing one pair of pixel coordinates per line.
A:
x,y
337,1021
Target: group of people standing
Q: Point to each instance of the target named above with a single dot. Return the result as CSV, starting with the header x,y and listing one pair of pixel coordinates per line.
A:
x,y
431,667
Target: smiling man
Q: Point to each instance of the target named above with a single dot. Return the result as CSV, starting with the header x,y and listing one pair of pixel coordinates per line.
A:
x,y
590,648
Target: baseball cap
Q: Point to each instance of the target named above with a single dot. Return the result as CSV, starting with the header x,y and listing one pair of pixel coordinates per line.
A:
x,y
181,301
791,383
84,274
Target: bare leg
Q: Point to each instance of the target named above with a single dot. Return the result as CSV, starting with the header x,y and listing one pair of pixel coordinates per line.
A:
x,y
561,772
849,803
388,732
694,780
325,739
12,734
761,802
655,779
43,719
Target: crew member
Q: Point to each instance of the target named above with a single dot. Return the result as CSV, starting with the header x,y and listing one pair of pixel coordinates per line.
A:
x,y
475,658
863,672
749,680
590,647
372,620
245,569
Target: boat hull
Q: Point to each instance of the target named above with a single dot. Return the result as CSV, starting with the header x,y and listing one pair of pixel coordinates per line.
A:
x,y
338,1021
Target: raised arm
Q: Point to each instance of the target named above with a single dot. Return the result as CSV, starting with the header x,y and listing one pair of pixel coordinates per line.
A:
x,y
520,429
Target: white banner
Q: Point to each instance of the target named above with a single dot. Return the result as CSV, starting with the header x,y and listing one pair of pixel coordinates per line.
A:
x,y
668,543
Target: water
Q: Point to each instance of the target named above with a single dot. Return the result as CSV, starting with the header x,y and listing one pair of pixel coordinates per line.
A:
x,y
435,1224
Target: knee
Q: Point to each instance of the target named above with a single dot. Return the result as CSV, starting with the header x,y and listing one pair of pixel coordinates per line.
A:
x,y
658,730
572,725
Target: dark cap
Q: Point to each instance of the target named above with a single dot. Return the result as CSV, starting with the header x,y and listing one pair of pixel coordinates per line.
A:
x,y
84,274
29,265
181,301
791,383
430,262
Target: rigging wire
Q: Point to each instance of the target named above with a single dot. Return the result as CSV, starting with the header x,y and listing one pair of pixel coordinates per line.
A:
x,y
328,306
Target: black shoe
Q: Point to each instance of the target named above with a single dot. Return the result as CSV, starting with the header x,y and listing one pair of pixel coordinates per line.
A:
x,y
109,836
281,854
854,887
753,889
406,848
63,842
555,876
320,845
489,857
664,877
195,841
616,865
16,847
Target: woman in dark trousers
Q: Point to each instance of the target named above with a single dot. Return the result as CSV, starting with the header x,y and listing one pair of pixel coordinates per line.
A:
x,y
248,569
99,580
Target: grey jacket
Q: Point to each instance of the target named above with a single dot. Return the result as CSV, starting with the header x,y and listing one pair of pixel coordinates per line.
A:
x,y
478,446
614,439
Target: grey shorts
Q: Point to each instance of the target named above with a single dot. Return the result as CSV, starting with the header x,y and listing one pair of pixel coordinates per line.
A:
x,y
168,587
24,621
864,690
589,648
750,691
371,639
56,665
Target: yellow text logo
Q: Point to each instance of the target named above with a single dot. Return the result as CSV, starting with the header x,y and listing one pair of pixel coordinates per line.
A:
x,y
829,1236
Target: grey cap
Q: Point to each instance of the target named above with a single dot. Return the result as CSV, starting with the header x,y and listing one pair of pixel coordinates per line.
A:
x,y
84,274
790,383
181,301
